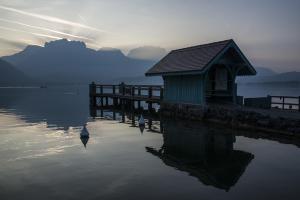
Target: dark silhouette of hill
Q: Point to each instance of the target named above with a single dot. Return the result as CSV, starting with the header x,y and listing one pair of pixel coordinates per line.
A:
x,y
282,77
64,61
266,75
147,53
10,76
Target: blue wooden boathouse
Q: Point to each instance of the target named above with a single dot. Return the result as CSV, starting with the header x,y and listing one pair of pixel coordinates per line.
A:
x,y
203,73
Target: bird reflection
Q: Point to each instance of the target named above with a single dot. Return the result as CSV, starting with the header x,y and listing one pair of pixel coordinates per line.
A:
x,y
142,128
205,153
84,136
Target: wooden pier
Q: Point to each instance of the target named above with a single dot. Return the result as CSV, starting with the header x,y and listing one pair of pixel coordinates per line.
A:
x,y
125,96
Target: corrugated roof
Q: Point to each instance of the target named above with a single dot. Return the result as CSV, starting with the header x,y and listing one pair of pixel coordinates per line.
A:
x,y
194,58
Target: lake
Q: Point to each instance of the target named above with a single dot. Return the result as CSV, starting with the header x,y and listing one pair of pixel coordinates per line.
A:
x,y
43,157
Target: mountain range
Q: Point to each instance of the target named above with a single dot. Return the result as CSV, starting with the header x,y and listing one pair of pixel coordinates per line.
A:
x,y
65,62
9,75
266,75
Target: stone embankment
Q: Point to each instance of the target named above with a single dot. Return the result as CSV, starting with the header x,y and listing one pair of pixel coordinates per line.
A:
x,y
274,121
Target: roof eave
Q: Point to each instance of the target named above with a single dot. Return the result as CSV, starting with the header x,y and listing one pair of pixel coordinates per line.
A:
x,y
178,73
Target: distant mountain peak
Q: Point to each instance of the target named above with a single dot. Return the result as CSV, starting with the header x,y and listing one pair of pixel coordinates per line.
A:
x,y
64,43
66,61
32,47
108,49
147,53
111,51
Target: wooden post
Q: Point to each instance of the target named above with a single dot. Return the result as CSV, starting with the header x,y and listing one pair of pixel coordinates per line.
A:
x,y
150,92
132,96
114,115
139,91
149,102
150,123
269,99
93,112
122,88
283,103
106,101
101,89
132,91
161,93
101,99
114,89
149,107
299,103
139,94
123,110
92,94
234,92
101,112
132,119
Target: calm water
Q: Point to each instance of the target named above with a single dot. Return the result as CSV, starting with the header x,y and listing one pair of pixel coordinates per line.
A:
x,y
43,157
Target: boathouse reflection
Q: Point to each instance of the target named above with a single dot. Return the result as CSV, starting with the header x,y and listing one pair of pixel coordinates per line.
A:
x,y
205,153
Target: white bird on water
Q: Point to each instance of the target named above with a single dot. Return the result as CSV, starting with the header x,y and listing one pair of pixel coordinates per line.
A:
x,y
84,136
84,132
141,121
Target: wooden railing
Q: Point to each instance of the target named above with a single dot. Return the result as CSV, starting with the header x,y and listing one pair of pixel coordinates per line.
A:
x,y
124,91
285,102
280,102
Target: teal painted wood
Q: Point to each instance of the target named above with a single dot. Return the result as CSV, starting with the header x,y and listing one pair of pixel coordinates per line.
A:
x,y
184,89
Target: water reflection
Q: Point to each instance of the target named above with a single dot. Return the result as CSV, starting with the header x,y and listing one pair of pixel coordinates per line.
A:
x,y
205,153
60,107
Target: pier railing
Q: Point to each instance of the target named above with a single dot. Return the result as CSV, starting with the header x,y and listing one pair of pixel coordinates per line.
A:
x,y
285,102
279,102
124,94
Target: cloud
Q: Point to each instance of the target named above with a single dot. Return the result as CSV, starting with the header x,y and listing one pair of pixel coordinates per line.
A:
x,y
46,29
16,44
32,33
50,18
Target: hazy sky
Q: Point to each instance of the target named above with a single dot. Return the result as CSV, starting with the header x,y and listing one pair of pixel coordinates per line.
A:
x,y
268,31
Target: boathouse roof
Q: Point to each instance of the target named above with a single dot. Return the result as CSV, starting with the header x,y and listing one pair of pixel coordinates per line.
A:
x,y
198,59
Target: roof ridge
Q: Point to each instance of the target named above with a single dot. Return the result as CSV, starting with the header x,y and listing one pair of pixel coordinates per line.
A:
x,y
201,45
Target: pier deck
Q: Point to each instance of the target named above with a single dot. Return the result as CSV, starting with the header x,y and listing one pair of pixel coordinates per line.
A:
x,y
124,95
